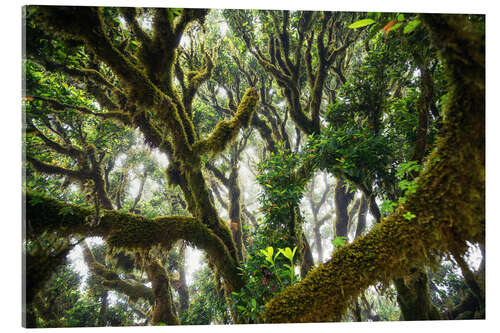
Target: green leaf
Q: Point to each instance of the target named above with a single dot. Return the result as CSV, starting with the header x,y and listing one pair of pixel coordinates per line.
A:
x,y
287,252
411,26
388,206
400,17
254,302
361,23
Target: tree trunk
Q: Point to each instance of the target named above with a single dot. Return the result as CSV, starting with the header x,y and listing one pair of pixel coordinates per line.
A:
x,y
101,320
307,262
414,297
235,212
342,199
362,211
317,242
163,311
182,290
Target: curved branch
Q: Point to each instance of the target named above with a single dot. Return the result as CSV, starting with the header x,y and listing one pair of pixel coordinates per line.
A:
x,y
113,281
226,131
195,79
122,116
71,151
128,231
56,170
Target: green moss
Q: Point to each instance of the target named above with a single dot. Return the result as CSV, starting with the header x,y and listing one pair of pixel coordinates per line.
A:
x,y
226,131
206,212
164,311
132,232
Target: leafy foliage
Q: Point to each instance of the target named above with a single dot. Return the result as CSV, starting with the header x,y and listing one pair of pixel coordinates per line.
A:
x,y
207,306
265,273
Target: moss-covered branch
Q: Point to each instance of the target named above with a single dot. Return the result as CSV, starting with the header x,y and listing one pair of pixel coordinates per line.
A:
x,y
73,22
195,79
226,131
128,231
68,150
40,262
130,15
111,280
56,170
447,209
61,106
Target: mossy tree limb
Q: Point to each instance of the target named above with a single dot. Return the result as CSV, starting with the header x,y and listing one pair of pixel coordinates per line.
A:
x,y
128,231
112,280
226,131
449,204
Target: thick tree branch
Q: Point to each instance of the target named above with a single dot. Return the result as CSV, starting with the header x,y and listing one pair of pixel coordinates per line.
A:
x,y
226,131
195,79
123,230
56,170
113,281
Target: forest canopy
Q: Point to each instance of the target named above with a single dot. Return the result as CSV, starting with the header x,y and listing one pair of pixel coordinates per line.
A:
x,y
251,166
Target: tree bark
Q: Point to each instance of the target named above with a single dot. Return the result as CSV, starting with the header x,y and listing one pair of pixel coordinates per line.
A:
x,y
414,297
342,199
164,310
101,320
362,211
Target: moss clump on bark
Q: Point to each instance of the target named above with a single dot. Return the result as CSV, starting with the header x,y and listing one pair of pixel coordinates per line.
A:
x,y
226,131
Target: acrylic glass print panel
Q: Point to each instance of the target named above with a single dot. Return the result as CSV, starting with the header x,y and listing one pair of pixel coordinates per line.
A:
x,y
195,166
